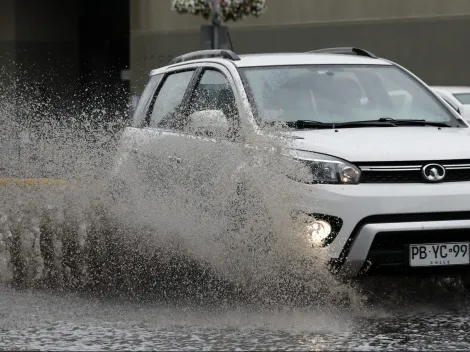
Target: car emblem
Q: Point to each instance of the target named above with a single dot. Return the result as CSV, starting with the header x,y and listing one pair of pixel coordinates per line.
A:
x,y
433,172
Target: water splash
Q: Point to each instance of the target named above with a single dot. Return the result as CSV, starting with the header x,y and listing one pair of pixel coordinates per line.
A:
x,y
220,218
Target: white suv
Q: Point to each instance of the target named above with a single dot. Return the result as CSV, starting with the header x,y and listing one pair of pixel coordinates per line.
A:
x,y
389,159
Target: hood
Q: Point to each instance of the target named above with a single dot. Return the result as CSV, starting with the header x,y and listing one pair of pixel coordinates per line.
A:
x,y
386,143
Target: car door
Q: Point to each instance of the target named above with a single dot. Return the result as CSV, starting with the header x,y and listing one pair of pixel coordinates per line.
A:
x,y
148,153
167,154
209,160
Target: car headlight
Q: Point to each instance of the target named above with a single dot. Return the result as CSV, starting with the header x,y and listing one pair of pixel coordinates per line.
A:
x,y
321,168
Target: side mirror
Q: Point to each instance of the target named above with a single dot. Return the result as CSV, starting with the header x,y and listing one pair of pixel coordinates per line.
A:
x,y
212,123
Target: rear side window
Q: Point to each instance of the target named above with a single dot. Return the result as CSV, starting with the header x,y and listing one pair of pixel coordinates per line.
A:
x,y
169,98
464,98
144,100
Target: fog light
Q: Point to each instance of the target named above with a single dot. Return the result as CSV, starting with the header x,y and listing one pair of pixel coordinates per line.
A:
x,y
320,230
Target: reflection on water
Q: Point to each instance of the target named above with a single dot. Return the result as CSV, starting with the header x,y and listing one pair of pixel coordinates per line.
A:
x,y
52,321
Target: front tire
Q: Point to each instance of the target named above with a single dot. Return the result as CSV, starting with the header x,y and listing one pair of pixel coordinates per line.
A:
x,y
465,278
248,213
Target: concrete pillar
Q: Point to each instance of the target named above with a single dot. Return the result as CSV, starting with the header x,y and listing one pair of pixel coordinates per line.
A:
x,y
39,46
8,144
47,45
39,63
7,42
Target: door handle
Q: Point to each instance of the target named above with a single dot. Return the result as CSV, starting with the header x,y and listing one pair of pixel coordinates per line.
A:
x,y
174,158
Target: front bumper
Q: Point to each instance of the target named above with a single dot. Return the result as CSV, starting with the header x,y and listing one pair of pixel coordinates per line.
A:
x,y
367,210
382,247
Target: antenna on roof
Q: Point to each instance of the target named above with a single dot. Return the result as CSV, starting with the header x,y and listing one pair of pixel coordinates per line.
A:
x,y
215,24
230,40
207,39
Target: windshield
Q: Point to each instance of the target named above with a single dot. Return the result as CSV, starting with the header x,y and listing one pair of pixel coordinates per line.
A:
x,y
339,94
464,98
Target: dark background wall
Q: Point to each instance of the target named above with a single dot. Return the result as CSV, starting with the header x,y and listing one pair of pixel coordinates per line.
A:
x,y
46,44
64,48
434,48
104,49
81,46
59,59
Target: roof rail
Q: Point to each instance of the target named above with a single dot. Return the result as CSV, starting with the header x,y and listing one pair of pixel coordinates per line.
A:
x,y
346,51
202,54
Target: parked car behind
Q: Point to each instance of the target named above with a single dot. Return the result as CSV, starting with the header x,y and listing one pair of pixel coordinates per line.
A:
x,y
457,97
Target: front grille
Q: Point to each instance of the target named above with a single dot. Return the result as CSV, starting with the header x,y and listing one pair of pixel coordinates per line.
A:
x,y
389,250
411,176
391,177
411,172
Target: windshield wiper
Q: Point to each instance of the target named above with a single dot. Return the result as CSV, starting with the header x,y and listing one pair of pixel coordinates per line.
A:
x,y
300,124
317,124
389,122
382,122
308,124
412,122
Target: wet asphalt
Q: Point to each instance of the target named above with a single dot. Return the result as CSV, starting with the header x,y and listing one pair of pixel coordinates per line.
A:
x,y
52,320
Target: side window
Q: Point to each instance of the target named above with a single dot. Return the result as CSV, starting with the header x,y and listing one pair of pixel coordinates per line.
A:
x,y
145,99
213,92
165,108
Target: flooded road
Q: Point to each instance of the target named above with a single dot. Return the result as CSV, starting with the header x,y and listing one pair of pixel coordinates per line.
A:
x,y
187,216
39,320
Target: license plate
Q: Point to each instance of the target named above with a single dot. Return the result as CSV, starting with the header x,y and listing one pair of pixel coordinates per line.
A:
x,y
440,254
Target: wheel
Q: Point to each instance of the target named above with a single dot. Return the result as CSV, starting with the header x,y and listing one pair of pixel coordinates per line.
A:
x,y
465,279
248,214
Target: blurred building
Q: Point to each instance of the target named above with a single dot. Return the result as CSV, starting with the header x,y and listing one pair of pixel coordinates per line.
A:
x,y
427,36
94,47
